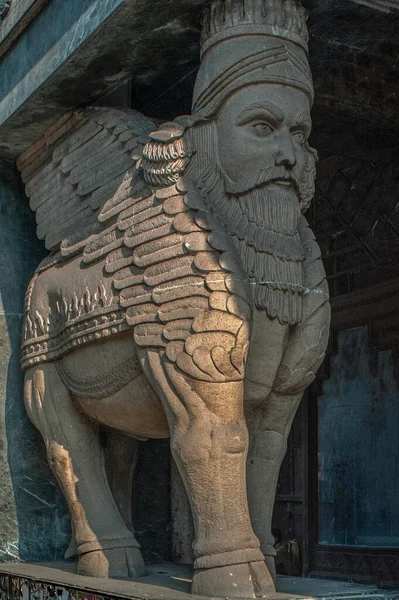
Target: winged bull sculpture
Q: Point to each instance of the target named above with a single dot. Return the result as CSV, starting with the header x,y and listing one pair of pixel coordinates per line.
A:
x,y
184,295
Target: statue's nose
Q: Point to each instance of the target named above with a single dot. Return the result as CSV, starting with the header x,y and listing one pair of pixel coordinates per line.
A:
x,y
286,151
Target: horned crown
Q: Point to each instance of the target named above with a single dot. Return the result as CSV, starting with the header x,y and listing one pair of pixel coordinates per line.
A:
x,y
286,18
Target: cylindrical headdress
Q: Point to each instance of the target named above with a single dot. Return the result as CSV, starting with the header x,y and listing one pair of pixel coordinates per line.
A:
x,y
246,42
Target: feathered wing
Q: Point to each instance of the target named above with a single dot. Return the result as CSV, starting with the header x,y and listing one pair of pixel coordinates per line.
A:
x,y
104,197
179,282
80,162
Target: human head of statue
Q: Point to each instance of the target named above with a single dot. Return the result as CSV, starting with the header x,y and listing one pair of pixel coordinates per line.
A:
x,y
246,143
254,93
251,102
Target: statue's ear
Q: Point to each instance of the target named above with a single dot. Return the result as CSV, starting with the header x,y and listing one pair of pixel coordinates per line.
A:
x,y
166,155
313,152
307,183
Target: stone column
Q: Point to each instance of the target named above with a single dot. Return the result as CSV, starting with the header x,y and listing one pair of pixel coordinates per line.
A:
x,y
33,520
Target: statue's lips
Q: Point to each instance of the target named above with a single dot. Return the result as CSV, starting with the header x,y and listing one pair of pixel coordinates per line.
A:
x,y
285,182
271,177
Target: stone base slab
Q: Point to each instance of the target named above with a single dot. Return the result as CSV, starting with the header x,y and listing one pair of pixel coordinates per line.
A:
x,y
58,581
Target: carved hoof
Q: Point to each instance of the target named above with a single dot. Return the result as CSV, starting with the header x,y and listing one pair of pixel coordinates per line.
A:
x,y
247,580
114,563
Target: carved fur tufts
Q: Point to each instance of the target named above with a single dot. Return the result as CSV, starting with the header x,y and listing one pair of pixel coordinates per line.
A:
x,y
307,183
158,151
165,156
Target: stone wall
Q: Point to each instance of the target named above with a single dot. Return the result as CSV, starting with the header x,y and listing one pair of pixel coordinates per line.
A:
x,y
33,521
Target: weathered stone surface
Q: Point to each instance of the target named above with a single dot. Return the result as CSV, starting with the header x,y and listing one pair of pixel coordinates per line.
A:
x,y
182,521
167,581
184,290
66,29
4,8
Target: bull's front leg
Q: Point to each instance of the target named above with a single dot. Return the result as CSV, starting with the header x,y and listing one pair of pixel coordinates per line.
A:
x,y
269,427
210,450
291,367
270,421
269,417
209,442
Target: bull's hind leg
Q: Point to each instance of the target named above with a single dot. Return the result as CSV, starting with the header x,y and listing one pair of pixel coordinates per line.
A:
x,y
105,546
209,442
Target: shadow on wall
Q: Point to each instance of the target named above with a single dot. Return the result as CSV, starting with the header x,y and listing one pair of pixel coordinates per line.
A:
x,y
43,526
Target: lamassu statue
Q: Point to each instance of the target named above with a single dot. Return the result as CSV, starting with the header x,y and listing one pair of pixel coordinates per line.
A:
x,y
184,295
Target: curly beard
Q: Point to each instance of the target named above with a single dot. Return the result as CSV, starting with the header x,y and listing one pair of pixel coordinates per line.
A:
x,y
263,222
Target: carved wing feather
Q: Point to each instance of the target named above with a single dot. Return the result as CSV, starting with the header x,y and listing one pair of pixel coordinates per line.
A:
x,y
84,161
167,254
176,275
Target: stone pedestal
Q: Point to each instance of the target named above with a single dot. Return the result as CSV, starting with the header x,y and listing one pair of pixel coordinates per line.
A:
x,y
164,581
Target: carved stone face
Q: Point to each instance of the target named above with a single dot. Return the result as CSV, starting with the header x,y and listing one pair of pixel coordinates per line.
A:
x,y
261,127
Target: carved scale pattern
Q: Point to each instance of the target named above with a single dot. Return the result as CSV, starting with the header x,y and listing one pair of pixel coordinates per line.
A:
x,y
179,280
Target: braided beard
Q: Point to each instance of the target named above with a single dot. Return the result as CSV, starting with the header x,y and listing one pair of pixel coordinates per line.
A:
x,y
263,222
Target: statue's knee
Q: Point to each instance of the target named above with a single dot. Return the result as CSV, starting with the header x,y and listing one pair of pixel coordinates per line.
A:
x,y
190,443
268,445
209,438
234,437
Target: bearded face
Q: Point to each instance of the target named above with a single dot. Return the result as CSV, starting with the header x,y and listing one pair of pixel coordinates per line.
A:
x,y
262,137
256,173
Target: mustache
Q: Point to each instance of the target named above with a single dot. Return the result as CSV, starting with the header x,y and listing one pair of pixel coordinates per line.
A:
x,y
260,179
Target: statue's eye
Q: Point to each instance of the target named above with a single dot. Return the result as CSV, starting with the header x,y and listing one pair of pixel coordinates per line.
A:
x,y
262,128
299,136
